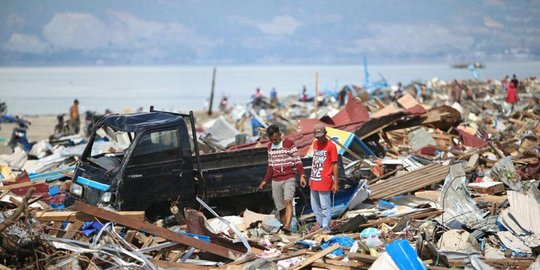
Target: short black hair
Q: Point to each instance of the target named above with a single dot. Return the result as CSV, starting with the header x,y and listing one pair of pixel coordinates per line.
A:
x,y
272,129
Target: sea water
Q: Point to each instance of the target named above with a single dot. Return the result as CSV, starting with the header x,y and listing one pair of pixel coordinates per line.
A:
x,y
51,90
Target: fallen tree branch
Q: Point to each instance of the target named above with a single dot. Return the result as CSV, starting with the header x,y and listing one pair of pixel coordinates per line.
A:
x,y
10,220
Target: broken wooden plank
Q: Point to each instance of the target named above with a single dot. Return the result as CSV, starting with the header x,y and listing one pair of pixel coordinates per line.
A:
x,y
21,185
74,216
155,230
323,265
285,247
379,102
4,193
72,229
350,264
491,199
315,257
289,255
55,228
361,257
129,236
175,265
393,220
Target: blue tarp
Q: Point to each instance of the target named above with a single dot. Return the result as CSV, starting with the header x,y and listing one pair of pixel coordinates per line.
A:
x,y
343,241
404,255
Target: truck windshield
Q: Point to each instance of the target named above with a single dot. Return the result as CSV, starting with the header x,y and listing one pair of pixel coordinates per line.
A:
x,y
109,141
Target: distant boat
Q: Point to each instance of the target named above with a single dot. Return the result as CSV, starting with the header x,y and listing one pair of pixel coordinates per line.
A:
x,y
468,65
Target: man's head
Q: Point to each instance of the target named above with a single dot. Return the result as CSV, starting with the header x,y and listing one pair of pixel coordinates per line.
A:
x,y
320,132
273,134
76,102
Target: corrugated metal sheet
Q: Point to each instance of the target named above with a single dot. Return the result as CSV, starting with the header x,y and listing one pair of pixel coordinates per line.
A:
x,y
411,181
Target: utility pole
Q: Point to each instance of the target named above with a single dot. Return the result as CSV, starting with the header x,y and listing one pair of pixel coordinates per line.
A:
x,y
316,99
212,92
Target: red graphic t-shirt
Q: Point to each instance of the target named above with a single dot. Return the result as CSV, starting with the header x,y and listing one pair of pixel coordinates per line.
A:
x,y
324,154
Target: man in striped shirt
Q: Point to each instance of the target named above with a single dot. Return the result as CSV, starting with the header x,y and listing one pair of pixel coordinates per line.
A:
x,y
283,159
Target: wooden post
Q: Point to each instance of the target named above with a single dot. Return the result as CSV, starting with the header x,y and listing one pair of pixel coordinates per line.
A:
x,y
316,98
212,92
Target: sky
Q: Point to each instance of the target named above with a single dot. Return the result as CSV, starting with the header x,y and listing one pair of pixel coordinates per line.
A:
x,y
165,32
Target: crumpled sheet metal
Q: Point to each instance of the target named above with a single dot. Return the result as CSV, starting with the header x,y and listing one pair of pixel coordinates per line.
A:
x,y
505,171
456,202
525,207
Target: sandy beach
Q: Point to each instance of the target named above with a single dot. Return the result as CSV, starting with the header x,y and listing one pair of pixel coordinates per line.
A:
x,y
40,128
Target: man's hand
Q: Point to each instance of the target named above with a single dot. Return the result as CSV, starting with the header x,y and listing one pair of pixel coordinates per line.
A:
x,y
335,187
303,182
261,185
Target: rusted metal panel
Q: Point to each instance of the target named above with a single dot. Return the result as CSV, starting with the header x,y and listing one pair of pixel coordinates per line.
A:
x,y
411,181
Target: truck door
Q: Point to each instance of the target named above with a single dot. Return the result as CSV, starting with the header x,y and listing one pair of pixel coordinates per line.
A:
x,y
155,172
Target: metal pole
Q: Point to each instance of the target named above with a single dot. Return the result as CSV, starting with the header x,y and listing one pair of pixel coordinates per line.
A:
x,y
316,99
212,92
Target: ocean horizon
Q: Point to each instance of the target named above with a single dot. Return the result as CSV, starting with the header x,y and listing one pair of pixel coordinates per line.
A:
x,y
51,90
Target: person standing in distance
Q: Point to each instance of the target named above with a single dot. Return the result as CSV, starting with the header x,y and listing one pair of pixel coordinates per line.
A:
x,y
74,117
283,159
324,177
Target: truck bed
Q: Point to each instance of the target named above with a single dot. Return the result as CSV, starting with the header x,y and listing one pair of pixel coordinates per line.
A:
x,y
232,179
233,173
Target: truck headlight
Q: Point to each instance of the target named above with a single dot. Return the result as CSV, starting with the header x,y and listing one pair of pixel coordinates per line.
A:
x,y
106,197
76,190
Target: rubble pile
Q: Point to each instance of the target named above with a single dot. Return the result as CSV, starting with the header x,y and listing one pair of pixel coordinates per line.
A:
x,y
427,182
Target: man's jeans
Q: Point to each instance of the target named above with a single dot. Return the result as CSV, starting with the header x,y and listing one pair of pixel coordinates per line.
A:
x,y
321,203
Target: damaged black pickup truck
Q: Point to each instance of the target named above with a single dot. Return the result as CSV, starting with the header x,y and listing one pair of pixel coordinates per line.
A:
x,y
145,161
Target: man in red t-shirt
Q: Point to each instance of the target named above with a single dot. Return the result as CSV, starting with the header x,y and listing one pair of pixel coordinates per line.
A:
x,y
324,177
283,159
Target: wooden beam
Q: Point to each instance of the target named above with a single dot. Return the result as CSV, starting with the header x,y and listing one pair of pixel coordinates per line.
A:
x,y
74,216
285,247
361,257
328,266
289,255
72,229
165,264
315,257
379,102
375,131
155,230
4,193
21,185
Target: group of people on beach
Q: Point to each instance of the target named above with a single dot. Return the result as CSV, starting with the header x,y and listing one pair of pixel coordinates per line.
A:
x,y
283,161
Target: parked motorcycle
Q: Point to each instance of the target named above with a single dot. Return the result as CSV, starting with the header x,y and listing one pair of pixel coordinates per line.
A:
x,y
3,108
19,135
90,119
62,127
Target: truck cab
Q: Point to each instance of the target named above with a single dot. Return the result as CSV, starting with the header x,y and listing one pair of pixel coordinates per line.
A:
x,y
140,161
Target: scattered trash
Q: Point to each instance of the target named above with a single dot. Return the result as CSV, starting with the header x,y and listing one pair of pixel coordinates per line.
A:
x,y
425,181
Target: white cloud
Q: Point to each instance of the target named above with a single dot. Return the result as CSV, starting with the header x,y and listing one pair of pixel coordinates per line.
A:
x,y
25,44
491,23
119,30
398,39
278,26
80,31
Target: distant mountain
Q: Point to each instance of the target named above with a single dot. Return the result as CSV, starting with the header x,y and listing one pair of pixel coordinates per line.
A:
x,y
140,32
